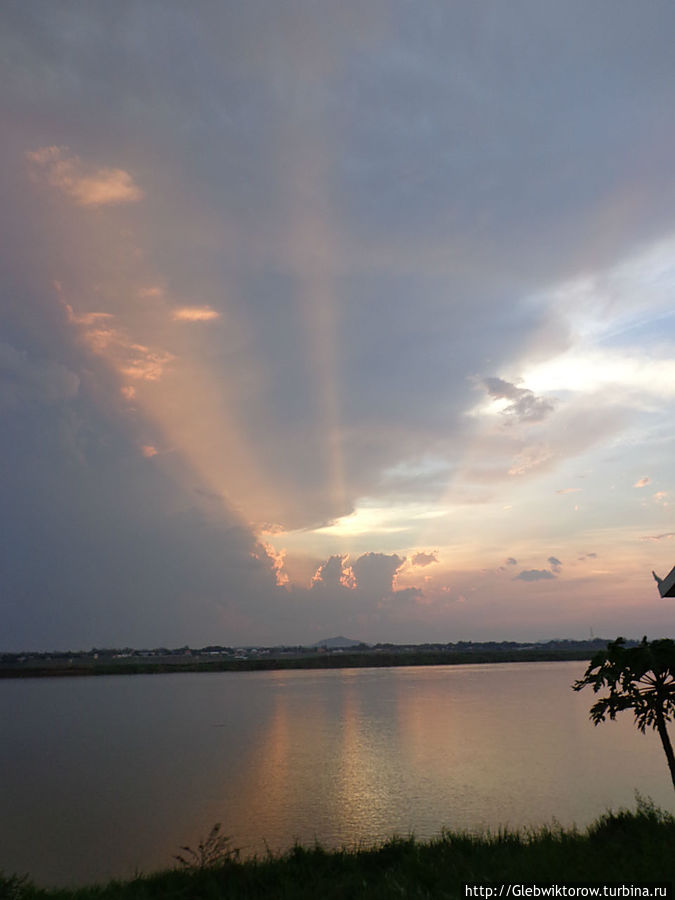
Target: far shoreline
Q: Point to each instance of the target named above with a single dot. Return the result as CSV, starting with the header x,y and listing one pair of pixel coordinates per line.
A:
x,y
342,660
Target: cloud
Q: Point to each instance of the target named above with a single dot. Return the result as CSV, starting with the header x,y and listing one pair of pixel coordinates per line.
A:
x,y
534,575
532,457
424,559
365,271
112,342
149,451
554,563
278,558
195,314
667,536
367,582
87,186
642,482
569,491
511,561
525,406
333,573
25,380
374,572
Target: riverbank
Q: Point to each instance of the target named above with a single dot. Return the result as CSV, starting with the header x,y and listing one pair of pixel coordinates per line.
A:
x,y
628,846
343,660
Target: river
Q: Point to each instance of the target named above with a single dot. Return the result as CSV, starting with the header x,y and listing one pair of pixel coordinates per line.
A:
x,y
104,776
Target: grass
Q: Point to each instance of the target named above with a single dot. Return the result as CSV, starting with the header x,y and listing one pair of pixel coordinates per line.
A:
x,y
632,846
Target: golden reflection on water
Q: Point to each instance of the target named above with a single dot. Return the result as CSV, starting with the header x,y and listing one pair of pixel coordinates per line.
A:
x,y
355,755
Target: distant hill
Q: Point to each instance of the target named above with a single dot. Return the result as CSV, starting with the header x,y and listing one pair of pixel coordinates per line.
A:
x,y
337,643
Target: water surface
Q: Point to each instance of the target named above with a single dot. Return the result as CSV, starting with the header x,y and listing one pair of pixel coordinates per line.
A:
x,y
104,776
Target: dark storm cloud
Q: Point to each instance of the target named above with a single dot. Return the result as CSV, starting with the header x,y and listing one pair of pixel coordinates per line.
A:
x,y
457,109
101,544
26,382
445,153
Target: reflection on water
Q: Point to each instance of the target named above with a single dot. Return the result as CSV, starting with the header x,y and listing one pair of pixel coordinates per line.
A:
x,y
105,776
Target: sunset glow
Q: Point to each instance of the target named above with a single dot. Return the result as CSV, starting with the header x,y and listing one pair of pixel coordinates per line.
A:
x,y
358,334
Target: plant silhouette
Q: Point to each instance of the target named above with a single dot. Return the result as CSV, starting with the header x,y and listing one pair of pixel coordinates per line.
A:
x,y
640,678
211,851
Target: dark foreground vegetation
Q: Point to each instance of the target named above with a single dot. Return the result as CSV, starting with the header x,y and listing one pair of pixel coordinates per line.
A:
x,y
630,846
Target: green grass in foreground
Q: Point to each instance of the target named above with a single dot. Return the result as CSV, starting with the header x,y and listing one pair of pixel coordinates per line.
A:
x,y
629,846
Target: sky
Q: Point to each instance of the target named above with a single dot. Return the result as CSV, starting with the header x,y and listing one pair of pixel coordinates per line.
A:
x,y
332,318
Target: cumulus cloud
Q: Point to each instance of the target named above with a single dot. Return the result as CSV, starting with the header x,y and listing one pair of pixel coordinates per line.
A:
x,y
642,482
424,559
524,405
374,572
278,558
85,185
534,575
333,573
368,581
195,314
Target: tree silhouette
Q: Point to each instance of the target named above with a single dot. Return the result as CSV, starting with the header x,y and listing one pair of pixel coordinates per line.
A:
x,y
640,678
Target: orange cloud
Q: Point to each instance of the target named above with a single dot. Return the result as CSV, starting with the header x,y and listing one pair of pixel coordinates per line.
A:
x,y
642,482
278,558
195,314
149,451
143,363
347,579
136,361
86,186
333,572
